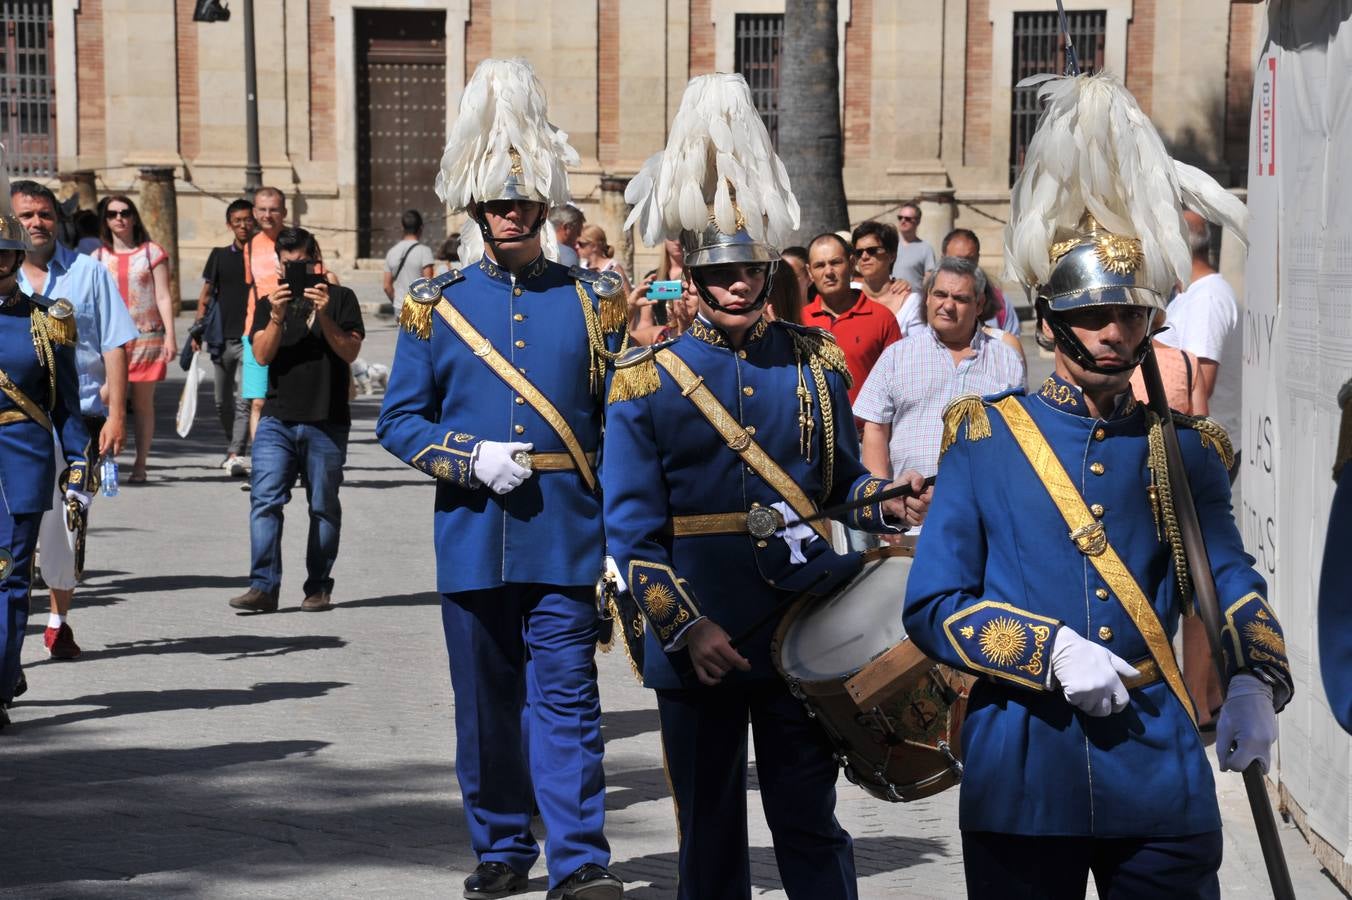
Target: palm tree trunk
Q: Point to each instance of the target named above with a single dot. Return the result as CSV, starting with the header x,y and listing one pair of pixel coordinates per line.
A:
x,y
809,117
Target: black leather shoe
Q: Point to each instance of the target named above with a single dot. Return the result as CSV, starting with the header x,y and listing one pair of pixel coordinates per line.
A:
x,y
21,687
591,882
493,879
254,600
4,717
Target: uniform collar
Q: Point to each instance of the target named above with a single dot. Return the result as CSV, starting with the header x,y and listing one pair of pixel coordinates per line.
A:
x,y
1066,397
498,273
703,330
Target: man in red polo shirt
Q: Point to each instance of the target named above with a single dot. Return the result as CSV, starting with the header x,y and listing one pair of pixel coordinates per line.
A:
x,y
862,327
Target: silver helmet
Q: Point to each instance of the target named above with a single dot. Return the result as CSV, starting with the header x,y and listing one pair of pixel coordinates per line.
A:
x,y
711,247
1095,267
13,236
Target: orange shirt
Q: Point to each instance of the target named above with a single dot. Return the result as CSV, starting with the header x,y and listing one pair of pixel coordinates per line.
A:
x,y
260,271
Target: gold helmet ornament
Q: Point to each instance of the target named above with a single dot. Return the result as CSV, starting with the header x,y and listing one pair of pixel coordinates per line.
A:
x,y
1096,215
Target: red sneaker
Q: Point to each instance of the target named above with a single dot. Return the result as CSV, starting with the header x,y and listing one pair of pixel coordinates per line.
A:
x,y
61,642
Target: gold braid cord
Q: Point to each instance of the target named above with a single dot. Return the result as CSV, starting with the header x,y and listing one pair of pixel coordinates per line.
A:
x,y
596,339
822,353
1162,504
42,343
970,409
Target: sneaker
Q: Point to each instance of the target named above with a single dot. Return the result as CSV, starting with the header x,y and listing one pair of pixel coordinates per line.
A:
x,y
235,466
254,600
591,882
61,642
493,879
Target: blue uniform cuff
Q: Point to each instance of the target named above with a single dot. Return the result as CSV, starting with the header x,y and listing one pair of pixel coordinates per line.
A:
x,y
870,517
1004,642
77,477
663,598
1254,640
449,460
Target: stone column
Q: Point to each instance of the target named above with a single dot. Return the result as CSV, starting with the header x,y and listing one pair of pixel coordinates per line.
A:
x,y
159,214
81,184
611,218
938,210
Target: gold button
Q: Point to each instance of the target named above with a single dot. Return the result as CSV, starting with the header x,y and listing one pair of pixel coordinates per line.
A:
x,y
1099,434
520,429
1097,510
1101,593
516,291
748,390
520,400
1105,633
522,371
751,429
741,354
754,504
518,317
520,344
762,544
1096,468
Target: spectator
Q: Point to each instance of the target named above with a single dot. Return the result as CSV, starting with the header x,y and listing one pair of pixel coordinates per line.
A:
x,y
964,244
796,257
260,268
102,328
87,228
595,253
650,322
1204,320
408,260
785,301
567,222
903,400
862,328
875,252
308,343
449,254
914,257
141,268
1178,371
224,283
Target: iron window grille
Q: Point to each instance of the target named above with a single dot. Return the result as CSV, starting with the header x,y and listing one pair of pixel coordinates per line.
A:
x,y
27,87
759,39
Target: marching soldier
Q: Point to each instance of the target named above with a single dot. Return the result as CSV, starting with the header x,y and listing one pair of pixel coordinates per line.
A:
x,y
1080,743
716,443
39,403
497,391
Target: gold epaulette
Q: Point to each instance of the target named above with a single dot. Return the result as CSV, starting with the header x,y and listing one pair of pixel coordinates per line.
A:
x,y
822,344
416,315
970,409
635,374
1212,435
611,304
57,322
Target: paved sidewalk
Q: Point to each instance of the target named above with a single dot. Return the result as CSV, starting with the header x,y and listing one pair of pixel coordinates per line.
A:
x,y
195,752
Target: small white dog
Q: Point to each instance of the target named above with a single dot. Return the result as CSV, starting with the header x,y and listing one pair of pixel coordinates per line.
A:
x,y
370,378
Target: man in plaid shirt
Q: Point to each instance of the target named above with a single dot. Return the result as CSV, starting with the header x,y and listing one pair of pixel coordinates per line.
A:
x,y
950,355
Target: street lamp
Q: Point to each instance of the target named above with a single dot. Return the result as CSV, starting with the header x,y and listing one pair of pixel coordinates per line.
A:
x,y
215,11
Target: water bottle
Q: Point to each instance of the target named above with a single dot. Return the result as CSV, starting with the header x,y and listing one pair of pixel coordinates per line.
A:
x,y
109,477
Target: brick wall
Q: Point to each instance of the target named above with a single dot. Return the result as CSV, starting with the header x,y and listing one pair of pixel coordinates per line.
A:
x,y
608,82
323,103
189,103
701,38
1141,53
1239,89
858,80
92,132
478,35
976,143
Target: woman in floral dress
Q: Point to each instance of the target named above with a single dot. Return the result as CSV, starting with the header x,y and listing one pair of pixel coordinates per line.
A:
x,y
141,268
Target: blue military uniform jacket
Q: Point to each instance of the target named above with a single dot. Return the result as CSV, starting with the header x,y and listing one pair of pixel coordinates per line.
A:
x,y
442,401
37,353
664,460
988,598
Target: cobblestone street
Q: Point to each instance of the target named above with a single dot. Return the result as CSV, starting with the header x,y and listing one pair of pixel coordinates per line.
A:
x,y
194,752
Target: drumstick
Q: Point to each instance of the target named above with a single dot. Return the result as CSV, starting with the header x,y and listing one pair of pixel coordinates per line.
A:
x,y
835,512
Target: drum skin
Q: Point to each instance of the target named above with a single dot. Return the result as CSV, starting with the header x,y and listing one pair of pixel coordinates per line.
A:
x,y
894,715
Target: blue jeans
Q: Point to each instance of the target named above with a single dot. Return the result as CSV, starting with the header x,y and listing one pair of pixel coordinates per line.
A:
x,y
281,451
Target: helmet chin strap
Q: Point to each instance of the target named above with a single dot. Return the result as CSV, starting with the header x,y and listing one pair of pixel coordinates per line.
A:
x,y
757,304
487,232
1074,348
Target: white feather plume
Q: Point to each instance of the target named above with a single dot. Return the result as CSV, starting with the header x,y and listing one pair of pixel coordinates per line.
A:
x,y
502,109
718,161
1095,150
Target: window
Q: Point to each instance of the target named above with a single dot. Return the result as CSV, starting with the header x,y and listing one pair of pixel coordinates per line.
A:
x,y
758,40
27,87
1039,47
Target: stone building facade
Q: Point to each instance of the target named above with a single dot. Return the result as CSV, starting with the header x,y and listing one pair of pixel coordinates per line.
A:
x,y
353,96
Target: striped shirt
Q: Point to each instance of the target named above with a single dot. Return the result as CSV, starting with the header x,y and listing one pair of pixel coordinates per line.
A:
x,y
916,378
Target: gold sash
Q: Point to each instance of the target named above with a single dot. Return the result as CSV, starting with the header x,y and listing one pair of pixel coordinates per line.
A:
x,y
1091,540
484,349
732,432
23,401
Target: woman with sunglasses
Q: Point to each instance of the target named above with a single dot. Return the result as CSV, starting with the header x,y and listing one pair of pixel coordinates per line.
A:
x,y
141,268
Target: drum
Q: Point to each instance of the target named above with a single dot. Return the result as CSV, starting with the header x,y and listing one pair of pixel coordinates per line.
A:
x,y
893,714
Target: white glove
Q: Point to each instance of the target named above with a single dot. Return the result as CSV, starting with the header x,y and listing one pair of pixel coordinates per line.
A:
x,y
493,465
613,571
794,533
1090,674
79,497
1247,725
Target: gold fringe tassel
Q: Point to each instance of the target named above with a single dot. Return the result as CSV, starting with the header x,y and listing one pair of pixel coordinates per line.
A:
x,y
1211,434
969,409
416,317
633,382
618,632
614,313
61,331
1163,502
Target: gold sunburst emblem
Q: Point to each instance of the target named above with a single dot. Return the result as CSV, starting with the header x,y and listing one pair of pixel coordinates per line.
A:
x,y
659,599
1003,640
1119,255
440,468
1266,637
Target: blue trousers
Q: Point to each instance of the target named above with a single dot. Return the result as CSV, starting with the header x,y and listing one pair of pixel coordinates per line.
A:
x,y
281,451
18,537
704,743
527,712
1022,867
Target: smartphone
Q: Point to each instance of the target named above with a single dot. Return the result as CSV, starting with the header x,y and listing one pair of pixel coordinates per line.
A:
x,y
661,292
299,275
